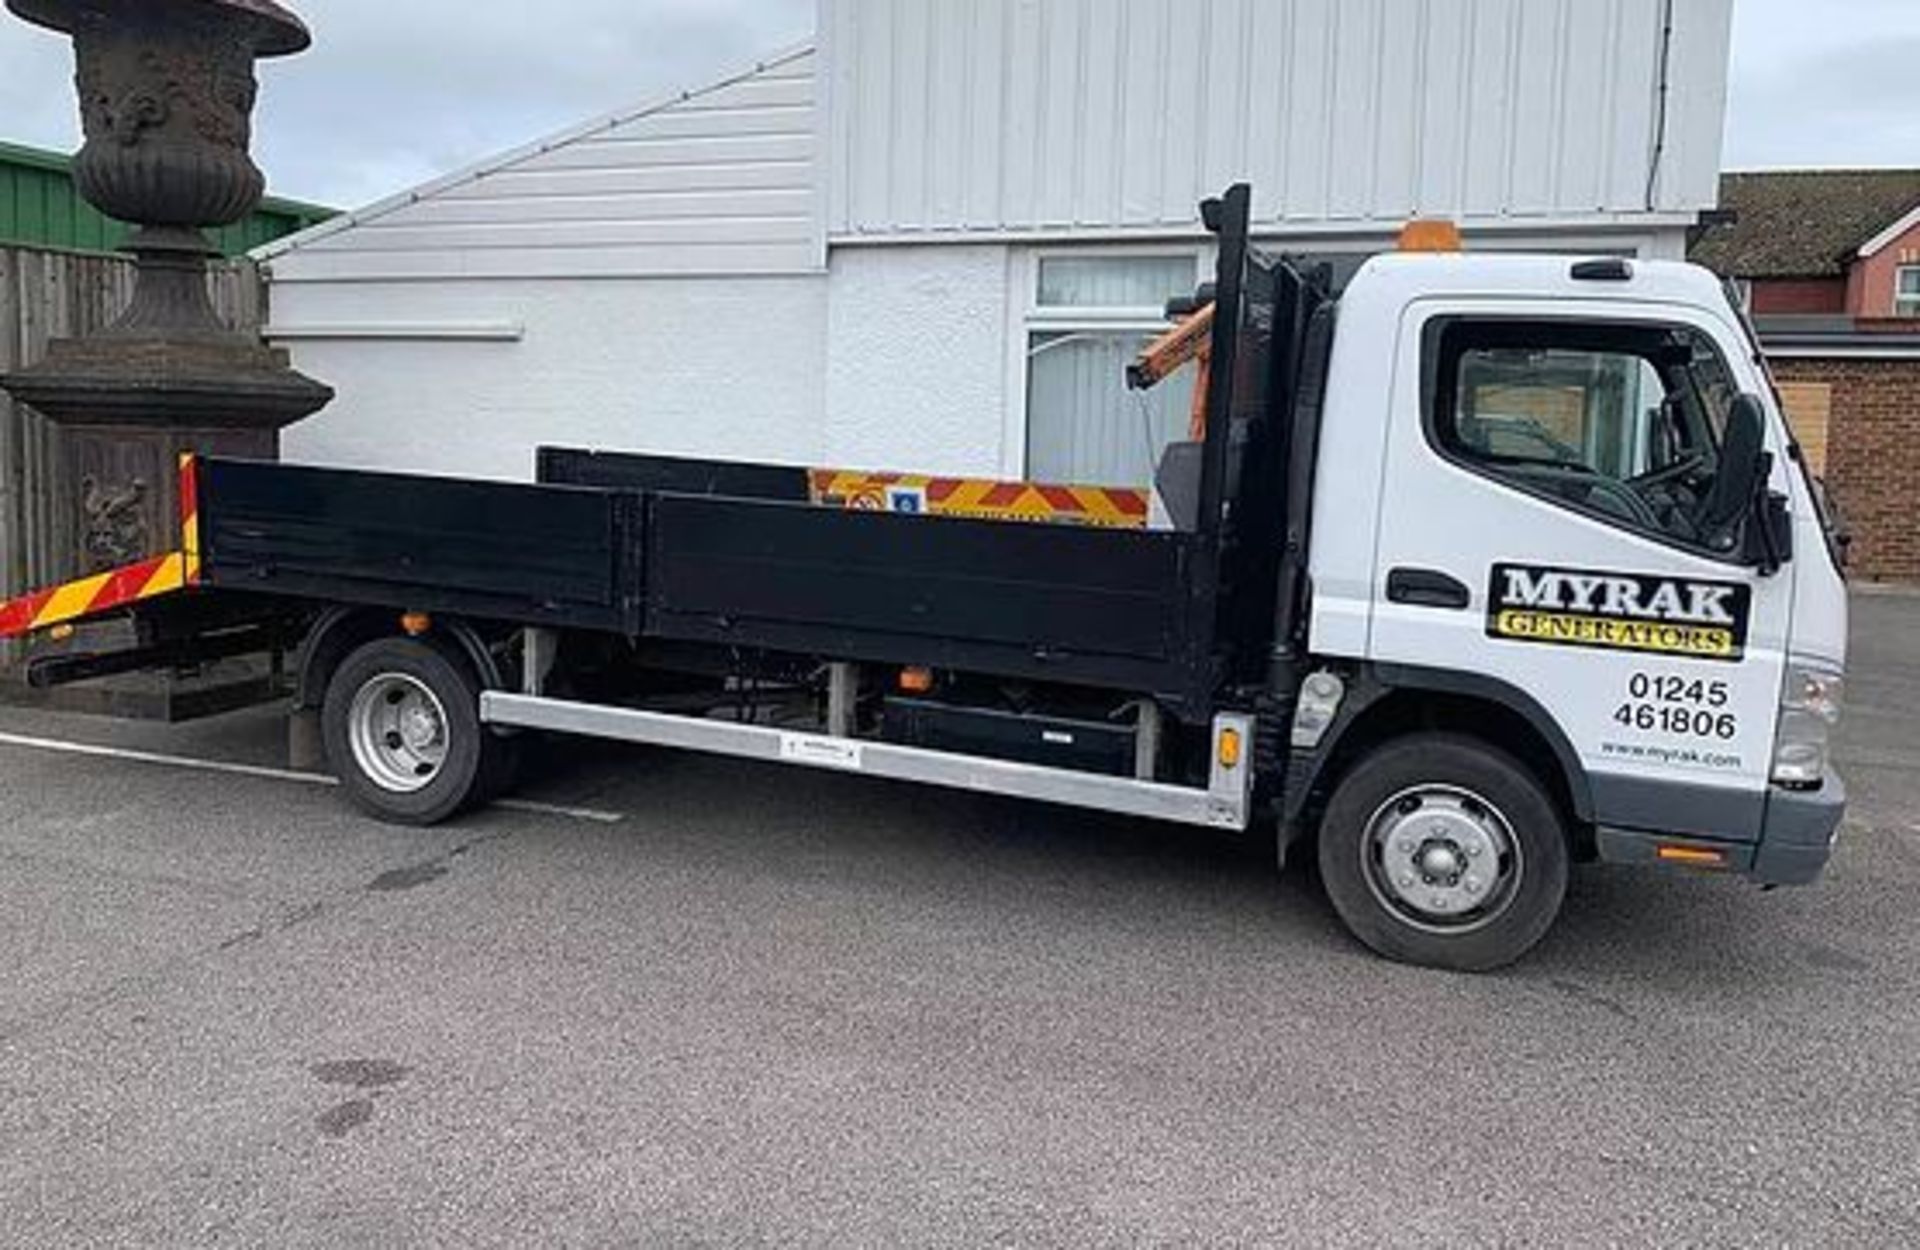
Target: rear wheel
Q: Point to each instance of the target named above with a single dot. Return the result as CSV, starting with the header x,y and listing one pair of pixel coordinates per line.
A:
x,y
1443,851
403,734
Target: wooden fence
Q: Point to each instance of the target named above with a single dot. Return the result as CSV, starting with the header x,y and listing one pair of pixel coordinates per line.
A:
x,y
46,295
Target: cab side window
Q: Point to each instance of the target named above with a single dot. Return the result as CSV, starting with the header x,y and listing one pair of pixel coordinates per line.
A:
x,y
1620,421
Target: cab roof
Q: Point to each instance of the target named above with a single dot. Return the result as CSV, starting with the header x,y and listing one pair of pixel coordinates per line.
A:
x,y
1405,277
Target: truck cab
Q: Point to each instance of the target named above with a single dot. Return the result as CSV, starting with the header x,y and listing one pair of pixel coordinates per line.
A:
x,y
1560,516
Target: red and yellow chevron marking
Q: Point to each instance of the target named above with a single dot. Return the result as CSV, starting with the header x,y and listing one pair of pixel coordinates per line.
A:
x,y
104,592
92,596
1103,506
190,520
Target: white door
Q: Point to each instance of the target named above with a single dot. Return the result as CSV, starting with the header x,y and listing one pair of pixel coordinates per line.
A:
x,y
1543,530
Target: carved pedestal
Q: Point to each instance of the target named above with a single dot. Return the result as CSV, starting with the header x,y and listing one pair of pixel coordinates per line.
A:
x,y
128,403
166,91
122,488
124,484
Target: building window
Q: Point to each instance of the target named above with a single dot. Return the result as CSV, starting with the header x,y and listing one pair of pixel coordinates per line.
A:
x,y
1089,317
1809,408
1906,298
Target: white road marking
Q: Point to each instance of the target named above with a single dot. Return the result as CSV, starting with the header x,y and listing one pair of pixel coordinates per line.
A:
x,y
93,750
592,815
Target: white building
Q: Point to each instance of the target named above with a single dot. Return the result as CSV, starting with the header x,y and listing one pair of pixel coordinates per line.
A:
x,y
931,239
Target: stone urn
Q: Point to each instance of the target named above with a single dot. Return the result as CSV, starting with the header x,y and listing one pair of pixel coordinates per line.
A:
x,y
167,91
167,104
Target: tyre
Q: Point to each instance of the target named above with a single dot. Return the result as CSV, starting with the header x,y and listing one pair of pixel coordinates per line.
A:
x,y
402,731
501,761
1443,851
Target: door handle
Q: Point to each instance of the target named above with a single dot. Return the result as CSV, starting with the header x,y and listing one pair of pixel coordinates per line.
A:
x,y
1427,588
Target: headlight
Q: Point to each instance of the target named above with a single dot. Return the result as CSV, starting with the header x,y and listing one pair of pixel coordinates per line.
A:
x,y
1809,710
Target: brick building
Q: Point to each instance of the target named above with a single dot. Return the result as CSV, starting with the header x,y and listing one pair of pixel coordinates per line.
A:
x,y
1829,262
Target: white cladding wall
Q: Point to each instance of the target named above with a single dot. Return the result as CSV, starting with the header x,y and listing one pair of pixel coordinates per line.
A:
x,y
1022,115
900,362
900,358
650,365
917,370
719,181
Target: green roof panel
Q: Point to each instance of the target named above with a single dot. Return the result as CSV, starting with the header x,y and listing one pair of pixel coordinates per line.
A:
x,y
40,207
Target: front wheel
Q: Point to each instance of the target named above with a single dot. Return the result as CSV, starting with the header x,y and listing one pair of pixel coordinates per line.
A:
x,y
1443,851
402,731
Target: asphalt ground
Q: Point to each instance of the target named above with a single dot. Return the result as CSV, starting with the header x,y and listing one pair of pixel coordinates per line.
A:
x,y
725,1004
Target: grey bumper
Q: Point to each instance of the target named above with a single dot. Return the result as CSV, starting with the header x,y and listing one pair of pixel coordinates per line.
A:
x,y
1800,832
1796,839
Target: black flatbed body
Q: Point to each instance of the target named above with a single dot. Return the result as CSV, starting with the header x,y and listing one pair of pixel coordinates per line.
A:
x,y
734,556
1104,608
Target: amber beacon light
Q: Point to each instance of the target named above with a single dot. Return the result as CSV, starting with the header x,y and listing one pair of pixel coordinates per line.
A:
x,y
1431,235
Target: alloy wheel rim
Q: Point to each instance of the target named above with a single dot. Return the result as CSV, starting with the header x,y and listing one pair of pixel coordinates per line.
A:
x,y
397,728
1443,859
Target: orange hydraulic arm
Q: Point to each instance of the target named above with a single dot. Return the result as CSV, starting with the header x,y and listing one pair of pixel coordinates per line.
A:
x,y
1190,341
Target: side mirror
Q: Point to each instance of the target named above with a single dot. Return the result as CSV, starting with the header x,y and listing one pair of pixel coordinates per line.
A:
x,y
1769,535
1741,513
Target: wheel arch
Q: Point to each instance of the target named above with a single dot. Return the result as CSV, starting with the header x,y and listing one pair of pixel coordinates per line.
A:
x,y
340,631
1388,702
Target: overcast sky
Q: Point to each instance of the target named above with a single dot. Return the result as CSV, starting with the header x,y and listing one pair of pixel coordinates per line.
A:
x,y
397,91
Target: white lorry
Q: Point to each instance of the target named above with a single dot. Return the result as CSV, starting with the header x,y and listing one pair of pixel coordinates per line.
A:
x,y
1491,565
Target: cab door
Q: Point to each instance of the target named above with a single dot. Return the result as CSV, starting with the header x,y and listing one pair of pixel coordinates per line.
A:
x,y
1542,539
